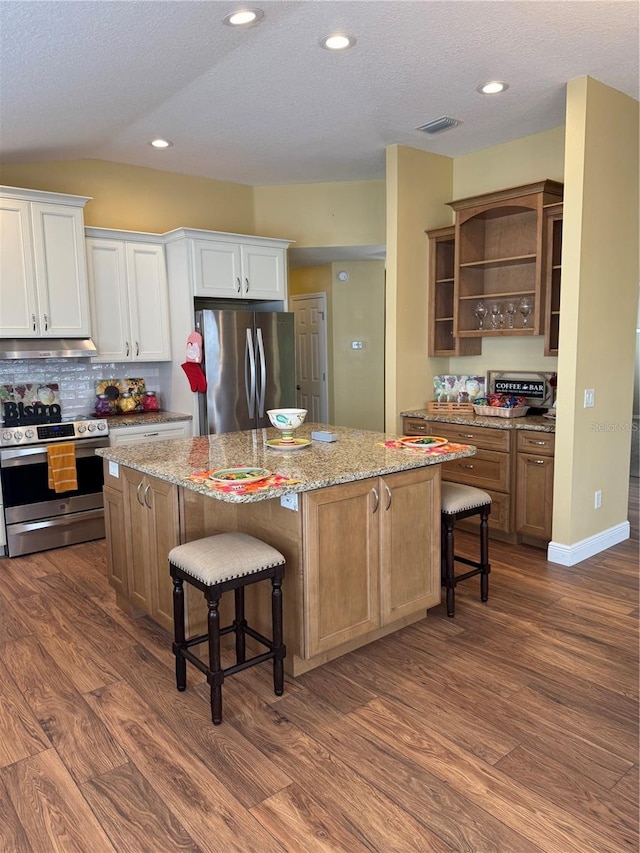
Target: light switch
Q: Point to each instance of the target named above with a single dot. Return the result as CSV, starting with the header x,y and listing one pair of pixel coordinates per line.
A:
x,y
589,398
356,344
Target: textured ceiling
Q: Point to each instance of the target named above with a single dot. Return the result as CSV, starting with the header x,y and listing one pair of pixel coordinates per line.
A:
x,y
265,105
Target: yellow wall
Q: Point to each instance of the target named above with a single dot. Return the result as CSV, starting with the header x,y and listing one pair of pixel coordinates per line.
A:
x,y
598,310
418,185
358,315
138,199
350,213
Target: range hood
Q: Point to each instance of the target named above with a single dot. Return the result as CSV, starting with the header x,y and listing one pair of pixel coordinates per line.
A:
x,y
47,348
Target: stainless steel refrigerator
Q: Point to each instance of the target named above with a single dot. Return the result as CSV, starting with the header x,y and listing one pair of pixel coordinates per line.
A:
x,y
248,358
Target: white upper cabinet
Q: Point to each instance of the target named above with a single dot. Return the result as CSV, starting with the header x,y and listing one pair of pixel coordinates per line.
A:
x,y
234,266
129,296
43,276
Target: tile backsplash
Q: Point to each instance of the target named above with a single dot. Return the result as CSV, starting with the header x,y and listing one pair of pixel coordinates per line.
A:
x,y
76,378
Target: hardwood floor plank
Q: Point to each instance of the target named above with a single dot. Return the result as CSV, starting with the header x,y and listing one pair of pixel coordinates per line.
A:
x,y
300,823
197,799
81,664
133,815
235,761
20,732
538,819
12,836
72,563
12,627
52,811
82,742
18,577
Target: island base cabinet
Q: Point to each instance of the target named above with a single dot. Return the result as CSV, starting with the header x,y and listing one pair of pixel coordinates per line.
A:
x,y
371,556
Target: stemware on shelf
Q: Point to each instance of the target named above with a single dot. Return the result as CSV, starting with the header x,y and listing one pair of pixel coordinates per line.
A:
x,y
481,312
495,310
511,310
525,308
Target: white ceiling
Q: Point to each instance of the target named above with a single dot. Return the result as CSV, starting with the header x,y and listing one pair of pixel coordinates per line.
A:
x,y
266,105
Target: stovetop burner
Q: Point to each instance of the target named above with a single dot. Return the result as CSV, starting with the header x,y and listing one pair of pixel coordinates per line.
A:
x,y
73,430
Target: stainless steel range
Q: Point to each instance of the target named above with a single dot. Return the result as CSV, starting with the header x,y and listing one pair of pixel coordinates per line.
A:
x,y
36,517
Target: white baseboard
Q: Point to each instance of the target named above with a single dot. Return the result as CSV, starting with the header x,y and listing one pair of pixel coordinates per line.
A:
x,y
569,555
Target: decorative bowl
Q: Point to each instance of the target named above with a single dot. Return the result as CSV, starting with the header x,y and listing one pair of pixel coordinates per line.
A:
x,y
286,420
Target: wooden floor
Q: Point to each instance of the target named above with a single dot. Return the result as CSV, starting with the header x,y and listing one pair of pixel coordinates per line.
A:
x,y
512,727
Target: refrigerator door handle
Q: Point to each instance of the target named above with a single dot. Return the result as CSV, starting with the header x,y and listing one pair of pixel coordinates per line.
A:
x,y
263,374
250,373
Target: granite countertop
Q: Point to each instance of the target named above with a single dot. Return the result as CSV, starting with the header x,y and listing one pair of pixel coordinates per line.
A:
x,y
533,422
355,456
145,418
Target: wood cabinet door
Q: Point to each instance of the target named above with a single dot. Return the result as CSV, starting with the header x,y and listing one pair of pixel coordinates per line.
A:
x,y
115,533
61,270
409,542
148,302
138,539
534,498
19,316
341,597
161,500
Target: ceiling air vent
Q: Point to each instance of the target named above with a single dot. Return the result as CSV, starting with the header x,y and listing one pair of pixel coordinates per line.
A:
x,y
439,124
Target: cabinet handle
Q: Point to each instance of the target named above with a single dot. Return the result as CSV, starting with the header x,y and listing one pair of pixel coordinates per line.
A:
x,y
46,322
377,497
541,443
239,284
146,494
421,428
33,322
137,348
465,465
246,284
138,487
535,461
127,345
388,490
150,434
465,435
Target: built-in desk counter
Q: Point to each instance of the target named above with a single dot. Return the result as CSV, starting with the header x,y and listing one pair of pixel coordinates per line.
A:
x,y
360,530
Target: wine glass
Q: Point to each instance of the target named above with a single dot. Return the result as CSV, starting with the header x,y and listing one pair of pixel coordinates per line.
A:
x,y
495,310
511,310
525,308
481,312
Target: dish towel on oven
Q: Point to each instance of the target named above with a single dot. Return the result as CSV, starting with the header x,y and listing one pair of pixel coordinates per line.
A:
x,y
63,476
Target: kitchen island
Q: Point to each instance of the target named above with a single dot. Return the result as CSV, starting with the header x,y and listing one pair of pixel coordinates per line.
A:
x,y
357,521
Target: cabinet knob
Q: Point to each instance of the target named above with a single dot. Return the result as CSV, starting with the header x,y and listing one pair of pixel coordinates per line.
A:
x,y
465,435
137,348
541,443
138,496
146,495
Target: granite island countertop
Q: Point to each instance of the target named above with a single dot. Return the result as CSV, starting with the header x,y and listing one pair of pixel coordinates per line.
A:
x,y
356,455
145,418
537,423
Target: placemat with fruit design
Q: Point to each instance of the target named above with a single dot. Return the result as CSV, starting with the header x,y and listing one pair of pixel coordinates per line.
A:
x,y
273,482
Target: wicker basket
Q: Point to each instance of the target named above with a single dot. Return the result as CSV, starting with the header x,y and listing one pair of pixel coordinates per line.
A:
x,y
435,408
498,412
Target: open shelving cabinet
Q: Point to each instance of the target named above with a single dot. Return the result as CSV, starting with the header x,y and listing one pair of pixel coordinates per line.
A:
x,y
553,272
499,243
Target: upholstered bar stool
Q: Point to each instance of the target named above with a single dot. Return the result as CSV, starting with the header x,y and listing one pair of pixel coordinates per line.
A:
x,y
458,502
216,564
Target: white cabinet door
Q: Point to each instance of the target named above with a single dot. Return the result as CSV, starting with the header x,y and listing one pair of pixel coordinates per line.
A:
x,y
129,300
263,272
217,269
18,301
43,276
110,320
60,266
148,302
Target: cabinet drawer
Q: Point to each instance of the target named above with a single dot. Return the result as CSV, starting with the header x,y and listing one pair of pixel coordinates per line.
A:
x,y
486,470
149,432
530,441
485,438
500,518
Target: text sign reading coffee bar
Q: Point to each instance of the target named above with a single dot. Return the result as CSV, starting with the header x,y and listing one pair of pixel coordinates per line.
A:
x,y
522,387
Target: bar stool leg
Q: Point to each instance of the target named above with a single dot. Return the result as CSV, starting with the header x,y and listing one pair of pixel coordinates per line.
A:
x,y
449,566
179,634
239,624
485,568
215,676
278,646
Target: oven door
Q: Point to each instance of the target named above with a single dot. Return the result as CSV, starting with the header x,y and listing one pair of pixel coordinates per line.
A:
x,y
38,518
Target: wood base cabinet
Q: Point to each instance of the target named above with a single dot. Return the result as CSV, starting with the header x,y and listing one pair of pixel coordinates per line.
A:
x,y
534,485
371,549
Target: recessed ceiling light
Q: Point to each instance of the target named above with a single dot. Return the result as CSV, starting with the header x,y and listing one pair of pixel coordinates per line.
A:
x,y
493,87
337,42
243,17
161,143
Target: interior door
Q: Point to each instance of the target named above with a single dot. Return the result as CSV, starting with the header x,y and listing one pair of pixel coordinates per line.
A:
x,y
311,349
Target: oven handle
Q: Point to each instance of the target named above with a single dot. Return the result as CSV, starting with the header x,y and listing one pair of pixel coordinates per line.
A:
x,y
13,456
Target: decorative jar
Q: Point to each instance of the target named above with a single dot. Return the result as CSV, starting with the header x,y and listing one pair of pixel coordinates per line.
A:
x,y
150,402
126,403
103,405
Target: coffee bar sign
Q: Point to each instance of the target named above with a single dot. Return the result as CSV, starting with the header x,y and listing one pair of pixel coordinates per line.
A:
x,y
538,388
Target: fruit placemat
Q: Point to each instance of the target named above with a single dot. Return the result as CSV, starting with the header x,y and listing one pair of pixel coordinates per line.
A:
x,y
439,450
273,482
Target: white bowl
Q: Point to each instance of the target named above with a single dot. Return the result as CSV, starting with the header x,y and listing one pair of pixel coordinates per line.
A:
x,y
287,419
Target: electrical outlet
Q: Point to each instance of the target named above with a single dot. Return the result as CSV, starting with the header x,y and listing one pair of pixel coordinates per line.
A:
x,y
589,398
289,502
597,502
